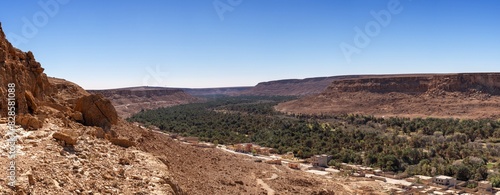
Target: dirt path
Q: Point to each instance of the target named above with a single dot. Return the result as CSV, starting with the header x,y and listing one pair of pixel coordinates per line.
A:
x,y
273,177
279,170
266,187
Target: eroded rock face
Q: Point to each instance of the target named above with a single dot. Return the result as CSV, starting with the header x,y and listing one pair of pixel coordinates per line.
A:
x,y
419,84
97,111
465,95
21,68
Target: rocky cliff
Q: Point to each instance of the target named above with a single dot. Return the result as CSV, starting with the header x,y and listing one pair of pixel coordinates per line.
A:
x,y
465,95
419,84
21,68
36,96
69,142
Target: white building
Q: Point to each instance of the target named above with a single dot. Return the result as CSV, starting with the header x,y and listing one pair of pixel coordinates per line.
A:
x,y
320,160
444,180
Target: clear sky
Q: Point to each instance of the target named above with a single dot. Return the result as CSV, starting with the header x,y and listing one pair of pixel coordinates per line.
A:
x,y
192,43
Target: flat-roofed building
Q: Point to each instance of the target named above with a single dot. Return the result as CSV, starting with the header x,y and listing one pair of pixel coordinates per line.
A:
x,y
444,180
320,160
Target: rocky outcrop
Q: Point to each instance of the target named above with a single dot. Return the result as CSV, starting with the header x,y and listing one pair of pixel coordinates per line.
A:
x,y
21,68
97,111
67,92
80,163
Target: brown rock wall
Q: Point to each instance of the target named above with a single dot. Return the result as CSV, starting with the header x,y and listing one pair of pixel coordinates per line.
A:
x,y
419,84
26,73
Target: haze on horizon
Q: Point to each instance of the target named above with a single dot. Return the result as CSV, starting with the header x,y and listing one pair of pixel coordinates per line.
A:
x,y
221,43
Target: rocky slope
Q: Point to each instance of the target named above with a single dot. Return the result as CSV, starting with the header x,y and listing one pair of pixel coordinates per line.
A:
x,y
67,142
129,101
468,95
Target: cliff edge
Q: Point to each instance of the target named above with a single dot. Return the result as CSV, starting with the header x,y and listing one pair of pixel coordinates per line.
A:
x,y
464,95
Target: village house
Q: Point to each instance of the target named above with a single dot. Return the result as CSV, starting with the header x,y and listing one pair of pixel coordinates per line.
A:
x,y
262,150
444,180
251,148
243,148
320,160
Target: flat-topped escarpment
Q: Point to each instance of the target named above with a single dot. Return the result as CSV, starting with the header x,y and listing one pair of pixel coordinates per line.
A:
x,y
293,87
463,95
419,84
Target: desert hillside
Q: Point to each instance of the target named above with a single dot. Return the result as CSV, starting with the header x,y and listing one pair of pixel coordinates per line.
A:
x,y
467,95
59,143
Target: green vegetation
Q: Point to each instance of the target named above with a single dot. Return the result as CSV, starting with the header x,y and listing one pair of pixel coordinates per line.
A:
x,y
465,149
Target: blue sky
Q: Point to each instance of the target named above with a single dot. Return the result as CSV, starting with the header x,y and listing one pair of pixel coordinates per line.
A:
x,y
185,43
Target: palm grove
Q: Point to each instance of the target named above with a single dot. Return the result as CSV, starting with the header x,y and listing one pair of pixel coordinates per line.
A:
x,y
465,149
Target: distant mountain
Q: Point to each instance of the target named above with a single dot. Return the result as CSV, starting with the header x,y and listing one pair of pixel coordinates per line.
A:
x,y
129,101
215,91
292,87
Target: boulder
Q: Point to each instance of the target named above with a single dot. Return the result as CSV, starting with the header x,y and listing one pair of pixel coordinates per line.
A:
x,y
29,122
77,116
99,133
64,137
31,101
122,142
31,179
97,111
